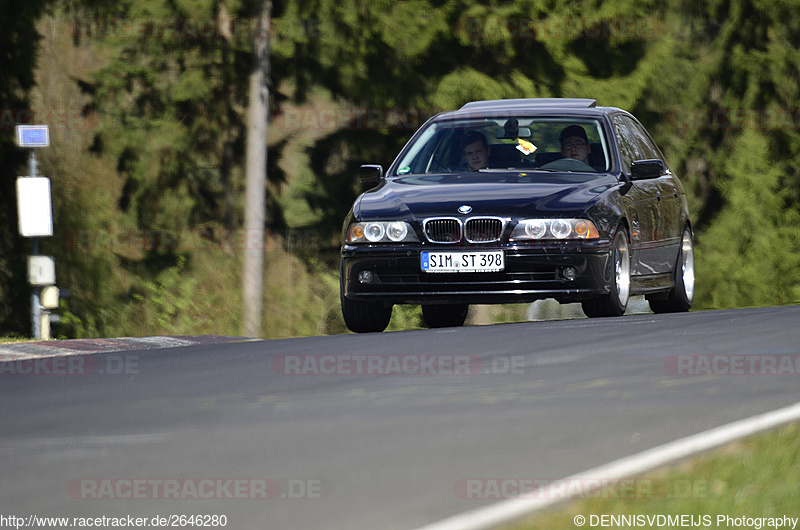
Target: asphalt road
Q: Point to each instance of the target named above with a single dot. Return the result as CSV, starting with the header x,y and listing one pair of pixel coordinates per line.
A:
x,y
250,425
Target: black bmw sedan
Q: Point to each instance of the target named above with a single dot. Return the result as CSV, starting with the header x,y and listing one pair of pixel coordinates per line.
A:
x,y
513,201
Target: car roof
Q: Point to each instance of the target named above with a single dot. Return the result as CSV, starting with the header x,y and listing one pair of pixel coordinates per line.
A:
x,y
562,106
537,103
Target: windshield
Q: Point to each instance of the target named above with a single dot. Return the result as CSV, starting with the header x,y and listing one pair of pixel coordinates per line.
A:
x,y
515,143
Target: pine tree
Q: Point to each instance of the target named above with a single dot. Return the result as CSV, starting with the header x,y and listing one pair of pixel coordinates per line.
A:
x,y
750,254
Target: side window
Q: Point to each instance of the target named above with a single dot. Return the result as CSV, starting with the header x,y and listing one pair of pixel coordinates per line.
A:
x,y
628,146
648,148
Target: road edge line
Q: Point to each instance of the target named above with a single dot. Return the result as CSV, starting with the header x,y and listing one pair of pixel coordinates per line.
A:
x,y
509,510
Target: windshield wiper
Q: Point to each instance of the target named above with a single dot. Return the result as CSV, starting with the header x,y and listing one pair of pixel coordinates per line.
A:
x,y
517,170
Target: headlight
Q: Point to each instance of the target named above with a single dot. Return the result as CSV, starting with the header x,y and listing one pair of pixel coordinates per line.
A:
x,y
397,231
381,232
561,228
529,229
535,229
374,232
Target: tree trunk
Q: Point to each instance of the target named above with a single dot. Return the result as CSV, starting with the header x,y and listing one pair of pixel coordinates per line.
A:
x,y
226,159
256,175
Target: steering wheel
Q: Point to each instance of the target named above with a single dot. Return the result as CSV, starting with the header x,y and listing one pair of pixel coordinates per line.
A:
x,y
569,164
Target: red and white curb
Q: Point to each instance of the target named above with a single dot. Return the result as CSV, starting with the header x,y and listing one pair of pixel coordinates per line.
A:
x,y
53,348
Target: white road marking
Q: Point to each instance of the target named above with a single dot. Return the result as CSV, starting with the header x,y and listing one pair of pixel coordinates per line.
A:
x,y
511,509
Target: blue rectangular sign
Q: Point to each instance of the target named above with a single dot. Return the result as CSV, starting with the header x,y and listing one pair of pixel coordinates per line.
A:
x,y
33,135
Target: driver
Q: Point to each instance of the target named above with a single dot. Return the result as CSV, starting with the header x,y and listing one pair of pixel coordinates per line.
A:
x,y
575,144
475,150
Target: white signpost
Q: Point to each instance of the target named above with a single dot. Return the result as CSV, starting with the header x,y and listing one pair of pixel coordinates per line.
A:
x,y
35,216
34,209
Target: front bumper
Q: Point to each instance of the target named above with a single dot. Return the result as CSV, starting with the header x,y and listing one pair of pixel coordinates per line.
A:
x,y
532,272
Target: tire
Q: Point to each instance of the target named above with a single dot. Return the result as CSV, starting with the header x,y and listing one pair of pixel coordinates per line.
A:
x,y
365,317
445,316
680,298
615,302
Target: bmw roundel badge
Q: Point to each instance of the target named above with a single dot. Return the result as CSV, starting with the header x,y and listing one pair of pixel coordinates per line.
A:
x,y
465,209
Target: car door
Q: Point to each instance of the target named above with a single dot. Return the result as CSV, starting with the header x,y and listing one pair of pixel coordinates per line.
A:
x,y
643,207
669,207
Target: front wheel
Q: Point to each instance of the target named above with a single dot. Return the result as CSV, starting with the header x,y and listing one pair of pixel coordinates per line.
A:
x,y
616,301
680,298
365,317
445,316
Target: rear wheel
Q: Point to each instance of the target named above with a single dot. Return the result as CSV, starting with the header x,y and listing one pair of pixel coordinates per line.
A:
x,y
365,317
616,301
680,298
445,316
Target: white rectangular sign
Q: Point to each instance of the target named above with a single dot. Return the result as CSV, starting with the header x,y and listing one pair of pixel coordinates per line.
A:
x,y
34,207
41,270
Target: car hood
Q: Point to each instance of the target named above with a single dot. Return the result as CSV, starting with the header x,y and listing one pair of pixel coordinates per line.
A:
x,y
502,194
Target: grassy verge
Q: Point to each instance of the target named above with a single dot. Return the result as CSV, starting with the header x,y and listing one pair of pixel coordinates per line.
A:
x,y
758,477
8,340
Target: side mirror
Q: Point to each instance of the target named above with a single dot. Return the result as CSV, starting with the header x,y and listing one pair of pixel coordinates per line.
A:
x,y
371,174
647,169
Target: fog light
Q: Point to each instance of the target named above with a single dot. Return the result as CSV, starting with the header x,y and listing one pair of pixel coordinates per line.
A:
x,y
365,277
569,273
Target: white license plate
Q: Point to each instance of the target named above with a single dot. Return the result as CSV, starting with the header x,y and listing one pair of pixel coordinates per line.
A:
x,y
462,261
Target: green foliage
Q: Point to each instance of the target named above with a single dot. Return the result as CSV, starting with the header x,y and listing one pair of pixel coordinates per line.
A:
x,y
405,317
750,254
168,302
301,299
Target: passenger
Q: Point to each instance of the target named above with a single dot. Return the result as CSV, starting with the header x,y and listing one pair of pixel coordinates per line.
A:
x,y
475,150
575,144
